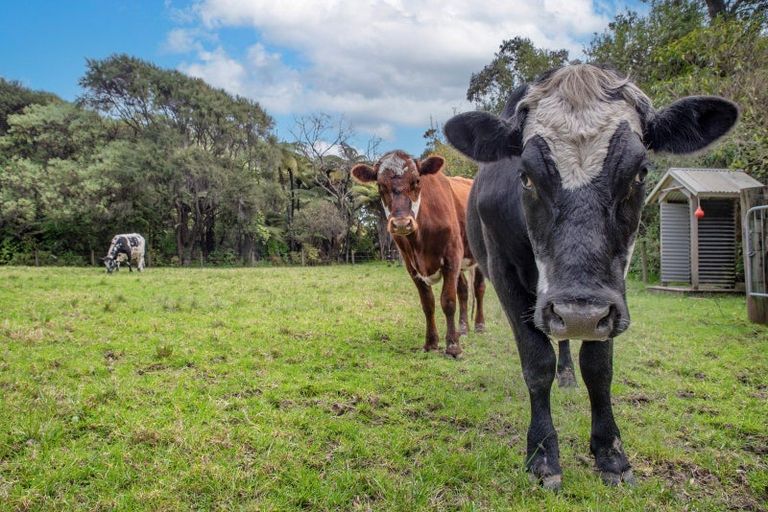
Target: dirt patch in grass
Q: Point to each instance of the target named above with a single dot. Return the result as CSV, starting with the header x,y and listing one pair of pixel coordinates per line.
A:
x,y
688,480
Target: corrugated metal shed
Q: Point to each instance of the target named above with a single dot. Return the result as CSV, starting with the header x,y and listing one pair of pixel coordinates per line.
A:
x,y
700,250
703,183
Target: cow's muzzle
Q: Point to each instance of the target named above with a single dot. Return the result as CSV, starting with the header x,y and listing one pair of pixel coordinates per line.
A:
x,y
594,319
401,226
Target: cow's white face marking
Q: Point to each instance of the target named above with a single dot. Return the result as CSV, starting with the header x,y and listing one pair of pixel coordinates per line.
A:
x,y
415,205
542,286
393,163
630,250
576,111
578,139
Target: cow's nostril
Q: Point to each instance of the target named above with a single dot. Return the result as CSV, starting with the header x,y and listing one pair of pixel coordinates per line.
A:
x,y
555,321
606,323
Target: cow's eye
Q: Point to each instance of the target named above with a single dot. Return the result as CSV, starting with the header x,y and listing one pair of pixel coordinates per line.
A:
x,y
526,180
640,176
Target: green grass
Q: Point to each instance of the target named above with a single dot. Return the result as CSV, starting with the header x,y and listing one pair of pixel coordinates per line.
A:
x,y
287,389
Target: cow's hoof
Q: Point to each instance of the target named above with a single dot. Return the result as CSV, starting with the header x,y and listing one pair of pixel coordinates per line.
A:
x,y
429,347
614,479
453,350
463,330
566,378
550,482
479,328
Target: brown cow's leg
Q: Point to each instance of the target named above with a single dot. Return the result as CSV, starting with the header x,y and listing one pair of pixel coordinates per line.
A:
x,y
428,306
463,292
479,294
448,302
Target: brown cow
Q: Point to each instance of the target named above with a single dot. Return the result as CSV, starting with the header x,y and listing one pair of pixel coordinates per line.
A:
x,y
426,215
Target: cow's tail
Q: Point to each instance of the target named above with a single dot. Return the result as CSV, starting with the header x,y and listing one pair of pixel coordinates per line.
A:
x,y
471,284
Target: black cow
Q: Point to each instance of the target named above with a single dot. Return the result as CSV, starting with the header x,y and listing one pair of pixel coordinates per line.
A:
x,y
552,219
125,249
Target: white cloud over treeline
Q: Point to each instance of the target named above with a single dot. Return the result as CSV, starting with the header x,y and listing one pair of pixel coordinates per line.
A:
x,y
381,63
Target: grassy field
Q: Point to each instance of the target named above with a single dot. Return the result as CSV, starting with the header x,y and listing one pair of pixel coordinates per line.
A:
x,y
288,388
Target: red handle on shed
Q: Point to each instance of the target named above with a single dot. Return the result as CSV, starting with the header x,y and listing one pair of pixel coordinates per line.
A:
x,y
699,213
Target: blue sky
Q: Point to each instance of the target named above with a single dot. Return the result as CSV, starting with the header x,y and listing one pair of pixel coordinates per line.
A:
x,y
387,66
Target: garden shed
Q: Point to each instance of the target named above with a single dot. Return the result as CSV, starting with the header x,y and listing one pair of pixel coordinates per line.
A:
x,y
700,226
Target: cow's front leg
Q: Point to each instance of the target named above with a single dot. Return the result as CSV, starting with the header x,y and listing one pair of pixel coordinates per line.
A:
x,y
448,303
566,375
596,362
462,291
538,361
427,299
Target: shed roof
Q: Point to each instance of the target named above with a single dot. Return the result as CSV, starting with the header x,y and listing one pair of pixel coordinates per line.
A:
x,y
707,182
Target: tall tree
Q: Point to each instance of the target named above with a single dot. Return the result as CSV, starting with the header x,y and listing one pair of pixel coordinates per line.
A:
x,y
517,62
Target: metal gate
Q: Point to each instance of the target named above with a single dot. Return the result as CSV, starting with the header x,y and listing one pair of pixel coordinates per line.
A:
x,y
756,251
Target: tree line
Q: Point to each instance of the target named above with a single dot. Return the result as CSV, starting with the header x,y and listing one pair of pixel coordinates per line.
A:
x,y
201,175
196,170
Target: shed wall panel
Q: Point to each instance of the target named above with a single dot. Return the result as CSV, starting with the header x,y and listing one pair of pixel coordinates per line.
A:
x,y
675,243
717,242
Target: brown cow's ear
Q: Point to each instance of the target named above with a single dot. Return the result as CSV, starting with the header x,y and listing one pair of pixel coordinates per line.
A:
x,y
364,173
431,165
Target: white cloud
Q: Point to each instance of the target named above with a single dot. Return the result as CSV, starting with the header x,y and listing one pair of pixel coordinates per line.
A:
x,y
218,69
181,40
380,62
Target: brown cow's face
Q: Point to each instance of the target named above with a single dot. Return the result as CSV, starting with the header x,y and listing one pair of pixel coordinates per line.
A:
x,y
398,177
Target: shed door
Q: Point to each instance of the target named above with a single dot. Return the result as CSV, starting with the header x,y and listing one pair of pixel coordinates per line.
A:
x,y
675,243
717,242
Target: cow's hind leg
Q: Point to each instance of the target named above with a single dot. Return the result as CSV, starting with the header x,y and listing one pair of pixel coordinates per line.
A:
x,y
462,291
596,362
566,375
479,285
448,303
427,299
140,267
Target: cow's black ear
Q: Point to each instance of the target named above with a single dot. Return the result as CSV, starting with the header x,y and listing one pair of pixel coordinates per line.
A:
x,y
690,124
431,165
364,173
483,137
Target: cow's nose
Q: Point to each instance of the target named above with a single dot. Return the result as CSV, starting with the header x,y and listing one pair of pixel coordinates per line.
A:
x,y
402,225
580,321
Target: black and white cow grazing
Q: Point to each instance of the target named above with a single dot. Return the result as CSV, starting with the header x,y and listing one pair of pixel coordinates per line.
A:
x,y
552,219
125,249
